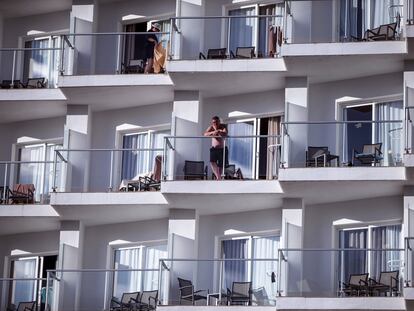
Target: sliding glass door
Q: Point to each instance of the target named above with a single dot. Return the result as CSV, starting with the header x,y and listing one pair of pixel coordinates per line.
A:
x,y
243,29
25,268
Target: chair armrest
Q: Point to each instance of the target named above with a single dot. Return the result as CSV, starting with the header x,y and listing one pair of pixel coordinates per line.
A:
x,y
202,290
373,281
134,300
156,300
116,301
361,281
232,54
396,281
188,286
377,150
201,56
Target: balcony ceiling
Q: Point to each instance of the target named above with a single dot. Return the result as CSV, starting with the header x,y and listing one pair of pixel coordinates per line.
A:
x,y
19,8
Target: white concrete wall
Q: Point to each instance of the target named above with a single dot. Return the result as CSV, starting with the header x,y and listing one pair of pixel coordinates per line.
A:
x,y
15,28
96,252
322,21
104,124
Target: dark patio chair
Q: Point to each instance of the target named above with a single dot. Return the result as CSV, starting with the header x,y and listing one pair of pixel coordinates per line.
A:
x,y
35,83
22,193
133,66
23,306
243,52
126,303
147,301
214,54
188,293
195,170
148,183
357,285
7,84
241,293
371,154
382,33
320,156
387,283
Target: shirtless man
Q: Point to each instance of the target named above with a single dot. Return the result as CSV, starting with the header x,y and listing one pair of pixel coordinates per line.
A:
x,y
217,130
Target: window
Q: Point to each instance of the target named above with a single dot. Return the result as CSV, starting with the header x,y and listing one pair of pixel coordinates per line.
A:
x,y
261,273
137,257
141,162
373,262
38,174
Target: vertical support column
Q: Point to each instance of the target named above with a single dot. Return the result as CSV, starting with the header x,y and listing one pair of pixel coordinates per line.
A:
x,y
182,243
187,121
69,288
293,214
77,136
296,109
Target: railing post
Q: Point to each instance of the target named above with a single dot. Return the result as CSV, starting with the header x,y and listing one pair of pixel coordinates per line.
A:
x,y
228,33
220,278
54,170
5,183
42,195
279,273
118,54
224,159
13,69
164,161
62,55
111,171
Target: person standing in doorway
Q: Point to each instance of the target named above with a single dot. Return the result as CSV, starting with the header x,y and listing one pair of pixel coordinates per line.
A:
x,y
151,41
218,132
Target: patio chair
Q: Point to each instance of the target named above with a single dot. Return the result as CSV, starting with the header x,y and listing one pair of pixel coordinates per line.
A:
x,y
214,54
35,83
147,183
147,301
23,306
133,66
195,170
7,84
22,193
243,52
188,293
241,293
126,302
357,285
382,33
320,156
371,154
387,283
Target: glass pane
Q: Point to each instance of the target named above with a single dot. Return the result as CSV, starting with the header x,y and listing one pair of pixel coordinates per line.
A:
x,y
242,29
24,290
235,271
31,173
135,162
152,256
127,281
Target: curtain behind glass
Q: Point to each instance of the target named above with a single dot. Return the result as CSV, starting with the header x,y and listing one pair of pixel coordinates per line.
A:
x,y
264,289
24,290
127,281
157,142
235,271
268,26
353,18
37,62
31,173
390,134
241,29
384,12
153,254
385,237
241,149
134,162
353,262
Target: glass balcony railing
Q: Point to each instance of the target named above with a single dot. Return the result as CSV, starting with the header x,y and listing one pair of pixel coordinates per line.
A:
x,y
103,170
118,52
28,182
347,272
342,143
101,289
219,281
240,35
236,157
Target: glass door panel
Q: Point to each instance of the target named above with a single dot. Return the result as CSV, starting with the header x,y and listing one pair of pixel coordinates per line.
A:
x,y
242,30
25,268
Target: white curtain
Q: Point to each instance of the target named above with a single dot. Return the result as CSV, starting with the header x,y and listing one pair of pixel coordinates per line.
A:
x,y
390,134
24,290
135,162
32,173
37,61
264,272
235,271
242,30
384,12
153,254
127,281
241,149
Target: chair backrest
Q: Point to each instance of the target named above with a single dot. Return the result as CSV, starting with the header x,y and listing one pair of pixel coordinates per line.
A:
x,y
313,152
193,168
187,284
241,289
389,278
135,62
245,52
217,53
24,188
354,279
371,148
126,297
230,170
26,306
35,82
156,171
145,297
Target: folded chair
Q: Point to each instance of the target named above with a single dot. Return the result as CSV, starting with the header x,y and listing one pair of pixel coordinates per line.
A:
x,y
23,306
371,154
357,285
7,84
243,52
195,170
126,303
188,293
22,193
35,83
214,54
320,156
147,301
241,293
387,283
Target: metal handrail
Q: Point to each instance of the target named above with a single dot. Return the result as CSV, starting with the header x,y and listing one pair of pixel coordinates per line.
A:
x,y
341,122
224,16
28,49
